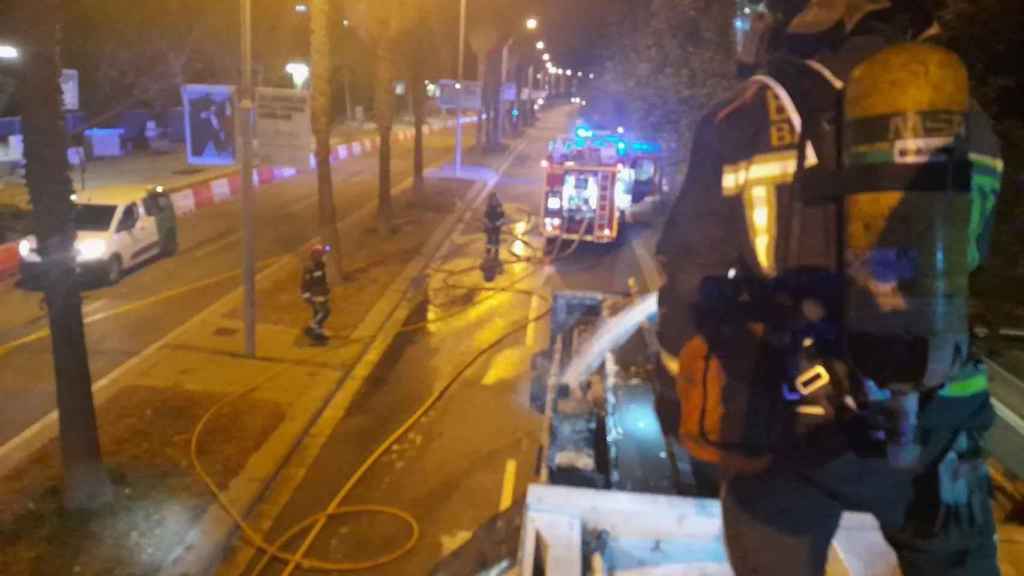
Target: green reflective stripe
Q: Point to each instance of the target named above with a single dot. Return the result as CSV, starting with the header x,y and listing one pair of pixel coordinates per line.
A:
x,y
963,387
988,181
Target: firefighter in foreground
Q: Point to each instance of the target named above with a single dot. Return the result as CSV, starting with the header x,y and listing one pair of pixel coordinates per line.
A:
x,y
316,291
816,296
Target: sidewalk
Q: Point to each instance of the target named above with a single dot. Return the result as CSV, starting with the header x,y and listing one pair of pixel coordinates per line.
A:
x,y
148,409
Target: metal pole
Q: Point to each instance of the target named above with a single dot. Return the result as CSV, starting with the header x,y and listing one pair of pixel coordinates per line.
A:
x,y
245,115
458,91
529,95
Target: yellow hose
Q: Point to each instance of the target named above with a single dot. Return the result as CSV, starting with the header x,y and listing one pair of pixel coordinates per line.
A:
x,y
272,551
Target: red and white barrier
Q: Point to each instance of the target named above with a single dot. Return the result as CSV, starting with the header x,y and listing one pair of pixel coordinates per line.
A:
x,y
9,260
222,189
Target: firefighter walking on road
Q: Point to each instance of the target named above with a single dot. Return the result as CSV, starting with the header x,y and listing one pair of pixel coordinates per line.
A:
x,y
802,302
316,291
494,218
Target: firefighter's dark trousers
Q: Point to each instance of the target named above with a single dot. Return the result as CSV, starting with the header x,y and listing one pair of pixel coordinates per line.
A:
x,y
782,521
321,312
493,238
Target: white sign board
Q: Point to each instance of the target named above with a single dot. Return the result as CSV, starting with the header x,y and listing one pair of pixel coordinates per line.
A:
x,y
69,88
209,124
470,94
283,129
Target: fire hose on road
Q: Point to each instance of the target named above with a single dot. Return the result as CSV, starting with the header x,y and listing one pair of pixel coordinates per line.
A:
x,y
273,551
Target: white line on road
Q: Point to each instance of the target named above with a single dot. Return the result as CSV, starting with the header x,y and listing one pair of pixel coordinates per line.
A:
x,y
508,485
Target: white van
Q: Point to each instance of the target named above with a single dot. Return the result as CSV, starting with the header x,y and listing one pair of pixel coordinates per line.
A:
x,y
114,234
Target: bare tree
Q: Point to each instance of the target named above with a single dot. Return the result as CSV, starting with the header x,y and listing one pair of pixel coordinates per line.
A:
x,y
320,49
383,24
86,484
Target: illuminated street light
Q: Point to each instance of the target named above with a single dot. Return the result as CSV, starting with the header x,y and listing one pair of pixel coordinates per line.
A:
x,y
546,57
540,45
345,23
591,75
303,8
8,52
579,74
531,24
299,72
569,72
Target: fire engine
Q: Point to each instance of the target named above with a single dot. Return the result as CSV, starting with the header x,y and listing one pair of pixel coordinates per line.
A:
x,y
596,182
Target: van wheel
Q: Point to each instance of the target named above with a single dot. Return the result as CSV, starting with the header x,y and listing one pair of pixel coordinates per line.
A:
x,y
115,269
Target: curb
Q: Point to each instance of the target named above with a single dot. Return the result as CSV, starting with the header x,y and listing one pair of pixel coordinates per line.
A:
x,y
205,545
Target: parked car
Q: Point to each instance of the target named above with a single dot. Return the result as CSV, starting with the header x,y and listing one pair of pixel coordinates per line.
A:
x,y
115,232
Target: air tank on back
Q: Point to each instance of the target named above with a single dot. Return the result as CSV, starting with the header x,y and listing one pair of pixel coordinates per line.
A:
x,y
906,216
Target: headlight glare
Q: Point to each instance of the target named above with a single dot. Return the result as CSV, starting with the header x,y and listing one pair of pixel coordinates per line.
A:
x,y
92,249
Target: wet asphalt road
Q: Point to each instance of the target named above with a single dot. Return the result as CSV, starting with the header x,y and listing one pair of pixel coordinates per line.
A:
x,y
479,444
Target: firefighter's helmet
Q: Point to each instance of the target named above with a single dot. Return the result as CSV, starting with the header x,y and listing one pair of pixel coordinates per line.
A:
x,y
317,251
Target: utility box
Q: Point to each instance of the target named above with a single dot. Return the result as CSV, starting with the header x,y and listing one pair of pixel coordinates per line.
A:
x,y
105,142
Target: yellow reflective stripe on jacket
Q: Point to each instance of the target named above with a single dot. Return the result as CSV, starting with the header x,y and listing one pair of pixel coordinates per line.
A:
x,y
756,180
992,162
968,383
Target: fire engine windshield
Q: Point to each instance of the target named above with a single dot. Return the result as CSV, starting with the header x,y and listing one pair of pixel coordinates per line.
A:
x,y
580,191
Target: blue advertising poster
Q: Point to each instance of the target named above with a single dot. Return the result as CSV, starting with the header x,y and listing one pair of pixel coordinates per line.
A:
x,y
209,124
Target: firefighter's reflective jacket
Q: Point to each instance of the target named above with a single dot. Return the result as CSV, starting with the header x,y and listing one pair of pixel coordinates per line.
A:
x,y
314,281
740,213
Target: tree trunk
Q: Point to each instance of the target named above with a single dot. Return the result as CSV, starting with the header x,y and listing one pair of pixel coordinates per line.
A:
x,y
320,49
481,125
419,102
348,94
384,106
86,484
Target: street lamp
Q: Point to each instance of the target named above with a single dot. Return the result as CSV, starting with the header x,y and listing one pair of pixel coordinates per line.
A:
x,y
345,23
531,24
302,8
299,72
546,57
591,75
540,44
8,52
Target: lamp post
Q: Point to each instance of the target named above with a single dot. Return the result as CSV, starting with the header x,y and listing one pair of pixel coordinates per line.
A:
x,y
458,90
8,52
245,107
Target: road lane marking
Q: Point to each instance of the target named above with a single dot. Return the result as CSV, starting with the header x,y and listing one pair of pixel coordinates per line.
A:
x,y
508,485
43,333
